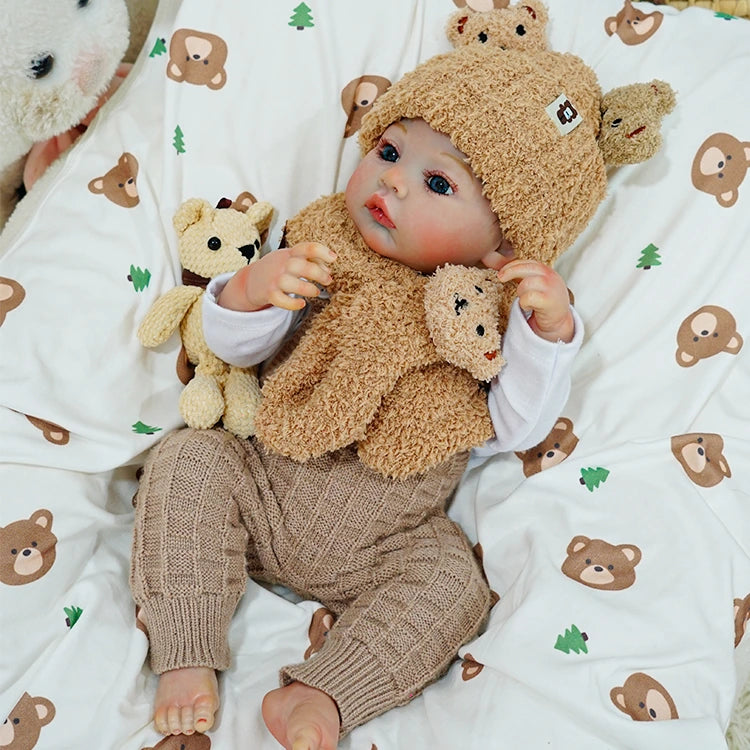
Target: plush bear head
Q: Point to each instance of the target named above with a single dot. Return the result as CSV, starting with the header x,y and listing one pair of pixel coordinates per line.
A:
x,y
519,27
56,62
217,240
631,121
462,311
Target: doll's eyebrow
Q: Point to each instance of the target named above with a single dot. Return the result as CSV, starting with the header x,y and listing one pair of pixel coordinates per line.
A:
x,y
461,162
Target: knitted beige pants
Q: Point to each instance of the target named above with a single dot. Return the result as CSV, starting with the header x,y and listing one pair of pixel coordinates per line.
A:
x,y
402,579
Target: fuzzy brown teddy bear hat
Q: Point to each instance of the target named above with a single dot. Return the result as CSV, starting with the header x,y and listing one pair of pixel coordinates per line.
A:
x,y
528,122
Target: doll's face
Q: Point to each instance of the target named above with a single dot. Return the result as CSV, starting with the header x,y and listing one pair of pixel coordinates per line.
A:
x,y
414,199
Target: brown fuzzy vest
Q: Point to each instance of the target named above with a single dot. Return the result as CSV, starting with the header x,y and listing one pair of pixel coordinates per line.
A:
x,y
365,370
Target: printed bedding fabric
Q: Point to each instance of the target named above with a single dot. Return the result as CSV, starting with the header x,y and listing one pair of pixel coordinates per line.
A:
x,y
619,549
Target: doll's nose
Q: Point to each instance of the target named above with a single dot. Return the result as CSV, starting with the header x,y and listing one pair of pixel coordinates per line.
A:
x,y
393,179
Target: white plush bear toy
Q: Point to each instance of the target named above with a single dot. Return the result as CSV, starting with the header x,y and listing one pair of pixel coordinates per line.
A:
x,y
58,57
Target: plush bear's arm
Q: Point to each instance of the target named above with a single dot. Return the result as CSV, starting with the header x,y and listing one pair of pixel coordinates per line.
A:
x,y
166,314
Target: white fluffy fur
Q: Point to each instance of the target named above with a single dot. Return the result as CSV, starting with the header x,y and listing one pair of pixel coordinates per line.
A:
x,y
87,43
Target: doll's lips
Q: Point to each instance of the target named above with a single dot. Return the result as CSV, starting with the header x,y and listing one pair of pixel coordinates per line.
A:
x,y
636,132
376,206
491,355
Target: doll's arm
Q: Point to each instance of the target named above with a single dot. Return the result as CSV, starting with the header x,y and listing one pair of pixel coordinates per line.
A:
x,y
531,391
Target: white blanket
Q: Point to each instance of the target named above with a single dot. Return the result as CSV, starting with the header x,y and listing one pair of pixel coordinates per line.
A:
x,y
647,472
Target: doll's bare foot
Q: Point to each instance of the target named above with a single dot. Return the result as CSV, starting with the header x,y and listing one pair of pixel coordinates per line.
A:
x,y
186,700
301,717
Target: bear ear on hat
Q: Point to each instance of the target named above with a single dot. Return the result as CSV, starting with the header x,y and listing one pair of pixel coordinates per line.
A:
x,y
631,121
516,27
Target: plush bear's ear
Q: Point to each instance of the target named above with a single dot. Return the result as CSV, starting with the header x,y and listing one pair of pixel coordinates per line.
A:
x,y
260,214
189,213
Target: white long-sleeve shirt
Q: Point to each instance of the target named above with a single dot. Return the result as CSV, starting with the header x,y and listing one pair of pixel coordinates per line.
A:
x,y
525,398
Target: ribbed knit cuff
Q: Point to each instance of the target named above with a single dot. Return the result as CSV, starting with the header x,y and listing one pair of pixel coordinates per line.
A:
x,y
360,694
188,631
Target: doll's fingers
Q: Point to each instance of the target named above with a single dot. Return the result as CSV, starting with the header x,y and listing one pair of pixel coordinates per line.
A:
x,y
279,299
532,299
291,283
310,270
517,270
313,251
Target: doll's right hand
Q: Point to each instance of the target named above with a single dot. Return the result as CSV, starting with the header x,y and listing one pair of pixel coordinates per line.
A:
x,y
272,279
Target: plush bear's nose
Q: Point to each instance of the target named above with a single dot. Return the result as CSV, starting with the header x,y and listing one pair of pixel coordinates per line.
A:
x,y
248,251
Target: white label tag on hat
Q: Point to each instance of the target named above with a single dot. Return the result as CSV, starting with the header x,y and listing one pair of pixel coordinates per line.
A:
x,y
565,116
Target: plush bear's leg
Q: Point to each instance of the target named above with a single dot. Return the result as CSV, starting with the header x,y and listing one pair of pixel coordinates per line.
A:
x,y
202,402
242,397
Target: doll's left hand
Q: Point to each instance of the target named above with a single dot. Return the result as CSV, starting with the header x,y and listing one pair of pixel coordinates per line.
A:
x,y
543,291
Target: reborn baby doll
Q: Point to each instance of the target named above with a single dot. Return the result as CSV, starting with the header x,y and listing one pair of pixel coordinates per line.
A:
x,y
480,157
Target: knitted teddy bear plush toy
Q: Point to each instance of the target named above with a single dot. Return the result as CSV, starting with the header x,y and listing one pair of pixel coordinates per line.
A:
x,y
367,370
60,62
210,241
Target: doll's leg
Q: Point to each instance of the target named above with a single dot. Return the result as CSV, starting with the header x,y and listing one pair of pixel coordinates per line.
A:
x,y
429,597
188,568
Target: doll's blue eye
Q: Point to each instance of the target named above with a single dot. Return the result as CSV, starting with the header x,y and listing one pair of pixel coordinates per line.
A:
x,y
389,153
439,184
41,66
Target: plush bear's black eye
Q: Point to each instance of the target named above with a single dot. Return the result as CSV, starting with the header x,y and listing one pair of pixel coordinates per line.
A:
x,y
214,243
41,66
480,330
520,30
616,122
482,36
83,3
